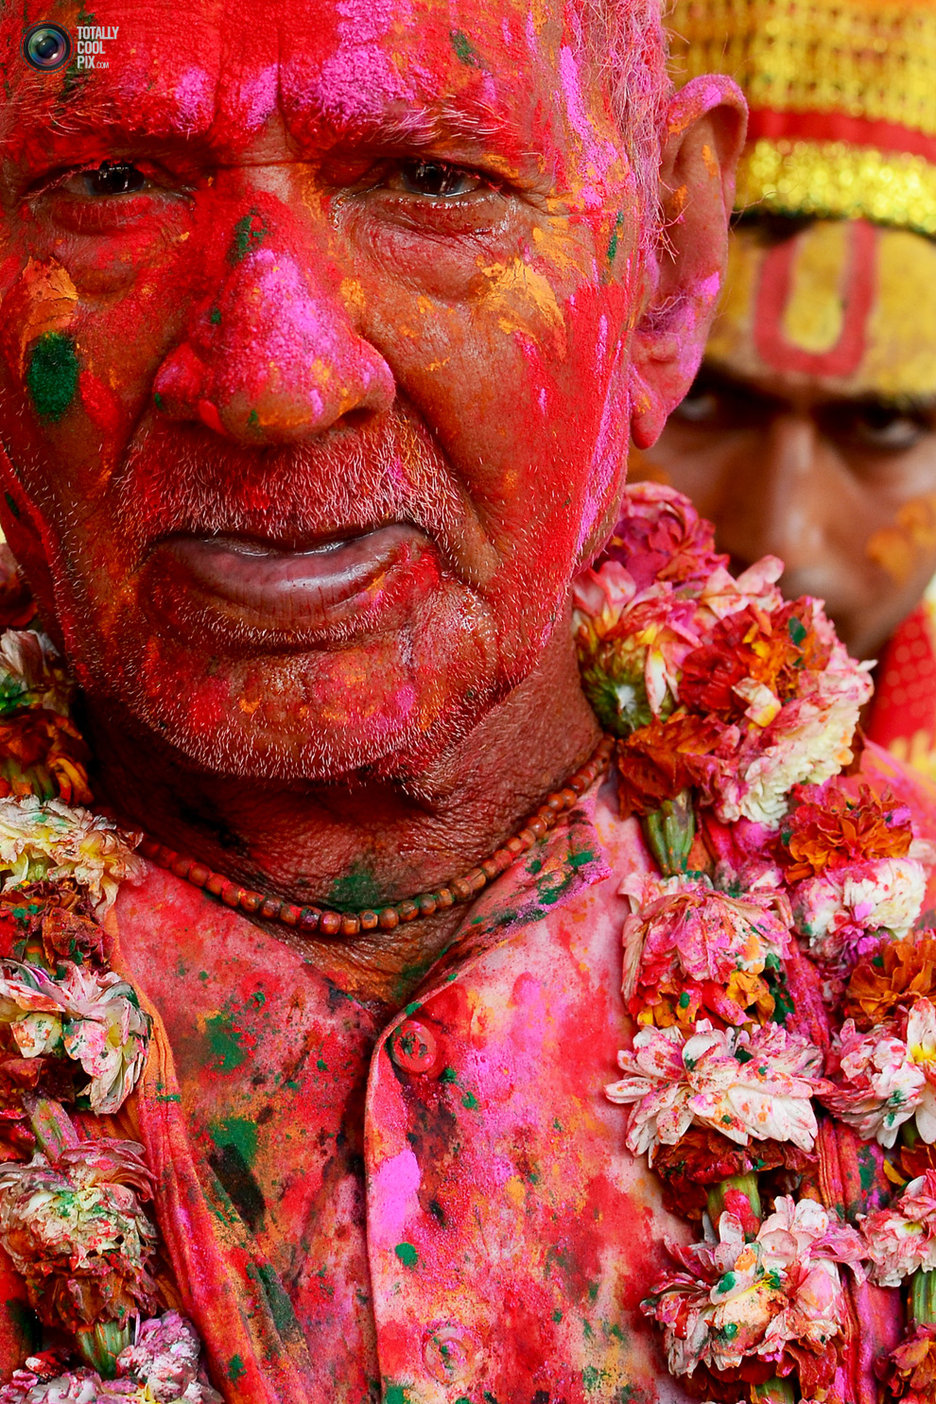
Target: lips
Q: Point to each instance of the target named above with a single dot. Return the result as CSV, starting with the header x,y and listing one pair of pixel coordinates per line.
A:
x,y
292,593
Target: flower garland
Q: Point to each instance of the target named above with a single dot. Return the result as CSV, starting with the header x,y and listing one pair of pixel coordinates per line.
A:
x,y
735,712
73,1038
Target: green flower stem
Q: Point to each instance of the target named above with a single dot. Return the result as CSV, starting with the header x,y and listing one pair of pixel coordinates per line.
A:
x,y
775,1391
923,1298
51,1124
746,1184
669,832
100,1345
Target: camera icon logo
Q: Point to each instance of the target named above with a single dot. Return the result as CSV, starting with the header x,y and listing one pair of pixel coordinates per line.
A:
x,y
47,47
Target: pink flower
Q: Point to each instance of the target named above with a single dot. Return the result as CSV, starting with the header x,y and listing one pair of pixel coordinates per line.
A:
x,y
902,1238
887,1077
76,1232
735,1299
747,1085
839,911
691,947
166,1356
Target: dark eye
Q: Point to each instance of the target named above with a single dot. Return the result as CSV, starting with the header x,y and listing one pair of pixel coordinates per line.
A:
x,y
112,178
885,429
700,406
437,180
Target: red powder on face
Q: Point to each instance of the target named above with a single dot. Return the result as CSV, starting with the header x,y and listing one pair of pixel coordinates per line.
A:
x,y
100,403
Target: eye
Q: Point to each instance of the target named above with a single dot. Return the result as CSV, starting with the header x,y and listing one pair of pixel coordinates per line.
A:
x,y
700,406
108,179
437,180
885,429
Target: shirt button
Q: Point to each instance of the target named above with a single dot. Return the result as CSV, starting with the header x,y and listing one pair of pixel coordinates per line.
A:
x,y
451,1353
413,1047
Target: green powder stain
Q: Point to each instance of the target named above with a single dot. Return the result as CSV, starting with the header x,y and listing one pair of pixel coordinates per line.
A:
x,y
239,1132
236,1368
470,1101
448,1075
395,1394
615,236
158,400
407,1254
284,1318
52,376
253,420
866,1168
12,505
464,49
225,1040
214,316
249,234
355,891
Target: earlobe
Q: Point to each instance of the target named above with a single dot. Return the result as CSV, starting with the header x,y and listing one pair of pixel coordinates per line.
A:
x,y
703,139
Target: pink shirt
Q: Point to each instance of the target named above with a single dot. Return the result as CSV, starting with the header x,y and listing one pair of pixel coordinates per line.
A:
x,y
440,1207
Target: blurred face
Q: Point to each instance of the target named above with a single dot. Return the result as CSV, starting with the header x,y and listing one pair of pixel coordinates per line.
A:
x,y
297,301
811,430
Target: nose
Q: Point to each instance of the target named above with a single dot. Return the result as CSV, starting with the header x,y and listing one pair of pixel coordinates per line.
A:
x,y
273,356
781,502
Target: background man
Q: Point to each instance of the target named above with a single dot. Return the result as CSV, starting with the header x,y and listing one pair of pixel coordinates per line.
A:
x,y
298,304
811,430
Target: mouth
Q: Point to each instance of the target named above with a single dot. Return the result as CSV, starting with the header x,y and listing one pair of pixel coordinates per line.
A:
x,y
298,592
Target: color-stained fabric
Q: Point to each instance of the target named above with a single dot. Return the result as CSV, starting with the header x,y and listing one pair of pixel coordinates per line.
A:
x,y
434,1205
903,712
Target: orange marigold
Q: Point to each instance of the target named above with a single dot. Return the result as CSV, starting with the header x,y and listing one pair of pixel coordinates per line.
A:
x,y
831,828
659,761
901,972
909,1373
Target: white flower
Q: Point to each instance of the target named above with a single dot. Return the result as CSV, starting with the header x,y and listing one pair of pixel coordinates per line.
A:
x,y
886,1078
840,905
755,1085
902,1238
52,840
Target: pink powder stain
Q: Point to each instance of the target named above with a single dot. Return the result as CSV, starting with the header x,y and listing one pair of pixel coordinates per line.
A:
x,y
255,97
394,1199
599,155
194,95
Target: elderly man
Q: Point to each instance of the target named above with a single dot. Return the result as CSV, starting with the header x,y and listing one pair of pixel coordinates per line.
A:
x,y
822,364
324,328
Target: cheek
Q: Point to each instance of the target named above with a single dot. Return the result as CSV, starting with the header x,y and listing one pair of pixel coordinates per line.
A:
x,y
905,549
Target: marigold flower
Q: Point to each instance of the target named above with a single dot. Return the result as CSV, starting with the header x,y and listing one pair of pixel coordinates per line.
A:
x,y
831,827
53,841
898,973
746,1085
660,760
688,948
76,1232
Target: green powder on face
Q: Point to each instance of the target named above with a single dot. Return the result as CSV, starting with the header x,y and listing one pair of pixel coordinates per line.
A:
x,y
52,377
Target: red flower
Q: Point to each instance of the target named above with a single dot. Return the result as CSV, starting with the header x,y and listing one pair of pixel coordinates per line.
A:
x,y
659,761
909,1373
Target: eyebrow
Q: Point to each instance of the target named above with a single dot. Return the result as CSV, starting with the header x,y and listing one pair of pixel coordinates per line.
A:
x,y
715,376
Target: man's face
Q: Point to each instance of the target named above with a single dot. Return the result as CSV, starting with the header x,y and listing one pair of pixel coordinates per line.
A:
x,y
811,430
311,314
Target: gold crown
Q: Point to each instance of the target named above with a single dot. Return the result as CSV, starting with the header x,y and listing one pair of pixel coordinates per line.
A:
x,y
842,96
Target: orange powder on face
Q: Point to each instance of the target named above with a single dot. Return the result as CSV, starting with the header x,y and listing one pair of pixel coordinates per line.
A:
x,y
43,300
895,548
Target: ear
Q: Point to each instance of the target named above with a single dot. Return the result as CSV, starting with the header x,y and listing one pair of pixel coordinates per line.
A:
x,y
703,137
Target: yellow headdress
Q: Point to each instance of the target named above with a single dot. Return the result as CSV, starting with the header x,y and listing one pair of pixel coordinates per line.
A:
x,y
842,96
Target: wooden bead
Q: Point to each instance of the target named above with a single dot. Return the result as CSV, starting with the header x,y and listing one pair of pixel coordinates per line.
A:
x,y
198,874
369,921
503,858
231,894
288,914
461,889
537,827
350,925
476,879
554,802
215,884
491,868
330,923
528,836
389,920
309,919
252,902
427,904
408,910
445,898
516,845
569,798
271,909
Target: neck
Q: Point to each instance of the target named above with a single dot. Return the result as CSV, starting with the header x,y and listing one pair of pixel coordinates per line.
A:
x,y
364,842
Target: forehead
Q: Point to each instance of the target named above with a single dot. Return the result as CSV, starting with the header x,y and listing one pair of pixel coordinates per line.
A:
x,y
215,71
844,306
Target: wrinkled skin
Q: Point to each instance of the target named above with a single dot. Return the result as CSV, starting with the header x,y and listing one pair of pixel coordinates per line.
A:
x,y
316,399
811,431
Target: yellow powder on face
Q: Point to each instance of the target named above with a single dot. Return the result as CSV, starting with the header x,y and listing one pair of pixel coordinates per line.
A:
x,y
43,300
901,356
896,548
814,316
524,298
